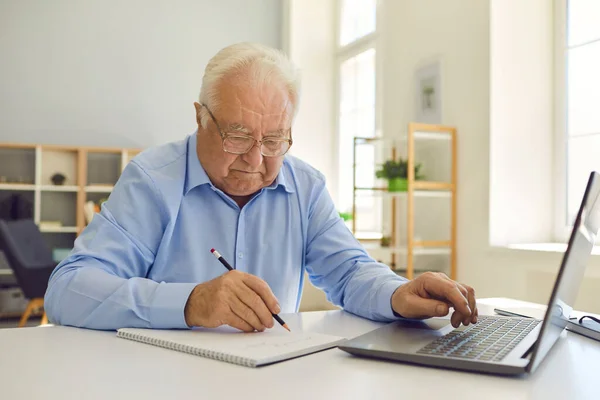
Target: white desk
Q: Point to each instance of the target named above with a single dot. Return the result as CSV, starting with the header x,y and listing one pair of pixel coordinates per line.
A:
x,y
67,363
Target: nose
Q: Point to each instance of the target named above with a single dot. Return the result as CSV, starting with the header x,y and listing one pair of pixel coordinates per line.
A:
x,y
253,157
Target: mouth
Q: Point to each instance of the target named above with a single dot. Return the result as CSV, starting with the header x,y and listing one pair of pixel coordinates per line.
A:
x,y
245,172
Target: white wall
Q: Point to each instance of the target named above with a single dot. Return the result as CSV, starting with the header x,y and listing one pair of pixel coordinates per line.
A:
x,y
115,73
309,39
311,45
521,121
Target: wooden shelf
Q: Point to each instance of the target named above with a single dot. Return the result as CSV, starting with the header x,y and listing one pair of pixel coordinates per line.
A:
x,y
99,188
417,193
58,229
432,136
424,185
59,188
17,186
418,135
433,146
432,243
417,251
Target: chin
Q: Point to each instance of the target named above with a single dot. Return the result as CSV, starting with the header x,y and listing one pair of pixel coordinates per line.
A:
x,y
244,188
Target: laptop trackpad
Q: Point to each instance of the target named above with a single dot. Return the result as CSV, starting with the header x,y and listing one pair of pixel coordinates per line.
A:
x,y
432,324
403,335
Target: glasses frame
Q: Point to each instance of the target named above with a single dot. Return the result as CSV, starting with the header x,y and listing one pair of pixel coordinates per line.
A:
x,y
225,135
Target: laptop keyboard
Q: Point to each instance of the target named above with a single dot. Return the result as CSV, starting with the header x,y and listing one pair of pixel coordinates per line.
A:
x,y
490,339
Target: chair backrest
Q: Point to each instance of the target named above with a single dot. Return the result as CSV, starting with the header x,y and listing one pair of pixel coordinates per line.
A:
x,y
29,256
24,244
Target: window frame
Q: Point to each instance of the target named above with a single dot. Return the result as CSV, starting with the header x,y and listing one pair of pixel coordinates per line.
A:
x,y
343,53
562,227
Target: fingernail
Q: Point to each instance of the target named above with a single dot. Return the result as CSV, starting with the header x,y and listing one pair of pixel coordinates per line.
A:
x,y
440,309
277,309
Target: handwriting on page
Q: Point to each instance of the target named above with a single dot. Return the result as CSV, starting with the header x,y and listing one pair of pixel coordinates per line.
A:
x,y
281,342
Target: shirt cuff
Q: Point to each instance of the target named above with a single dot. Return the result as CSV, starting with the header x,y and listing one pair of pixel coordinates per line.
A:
x,y
168,305
383,300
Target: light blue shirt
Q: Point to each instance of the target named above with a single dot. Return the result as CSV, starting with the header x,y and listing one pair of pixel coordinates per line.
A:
x,y
137,262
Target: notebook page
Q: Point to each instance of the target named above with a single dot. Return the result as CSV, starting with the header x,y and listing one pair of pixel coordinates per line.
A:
x,y
262,347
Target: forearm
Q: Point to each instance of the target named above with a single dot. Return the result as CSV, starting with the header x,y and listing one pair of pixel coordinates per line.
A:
x,y
93,298
359,284
368,291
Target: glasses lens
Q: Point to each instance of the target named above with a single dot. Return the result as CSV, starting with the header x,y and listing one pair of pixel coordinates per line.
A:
x,y
237,144
275,147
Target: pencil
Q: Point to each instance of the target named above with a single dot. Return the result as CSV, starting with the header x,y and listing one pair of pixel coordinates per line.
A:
x,y
230,268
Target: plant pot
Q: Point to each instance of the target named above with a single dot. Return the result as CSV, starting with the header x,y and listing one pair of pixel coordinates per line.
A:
x,y
397,185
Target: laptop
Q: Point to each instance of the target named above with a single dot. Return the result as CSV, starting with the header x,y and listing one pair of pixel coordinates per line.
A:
x,y
496,344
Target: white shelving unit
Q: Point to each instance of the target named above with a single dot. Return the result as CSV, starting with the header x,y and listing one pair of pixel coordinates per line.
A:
x,y
26,172
58,229
99,189
16,187
58,188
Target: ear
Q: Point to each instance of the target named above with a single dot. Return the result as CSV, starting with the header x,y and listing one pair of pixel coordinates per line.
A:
x,y
198,107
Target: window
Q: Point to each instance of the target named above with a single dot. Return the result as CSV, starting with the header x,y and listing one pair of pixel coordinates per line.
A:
x,y
357,19
579,132
357,109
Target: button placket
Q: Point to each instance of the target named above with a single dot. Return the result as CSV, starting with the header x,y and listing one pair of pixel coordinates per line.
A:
x,y
240,245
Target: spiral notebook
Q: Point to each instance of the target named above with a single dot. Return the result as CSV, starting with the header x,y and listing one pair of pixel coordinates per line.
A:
x,y
248,349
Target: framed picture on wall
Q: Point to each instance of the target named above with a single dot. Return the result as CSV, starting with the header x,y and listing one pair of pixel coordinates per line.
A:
x,y
428,93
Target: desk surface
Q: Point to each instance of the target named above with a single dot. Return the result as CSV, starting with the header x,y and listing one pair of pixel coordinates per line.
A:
x,y
55,362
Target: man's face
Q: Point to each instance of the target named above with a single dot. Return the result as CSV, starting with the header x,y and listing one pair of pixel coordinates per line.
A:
x,y
259,112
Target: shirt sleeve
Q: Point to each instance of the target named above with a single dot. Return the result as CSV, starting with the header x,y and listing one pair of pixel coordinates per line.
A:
x,y
338,264
102,284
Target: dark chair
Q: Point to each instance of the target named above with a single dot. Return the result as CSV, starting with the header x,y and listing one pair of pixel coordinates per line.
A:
x,y
30,258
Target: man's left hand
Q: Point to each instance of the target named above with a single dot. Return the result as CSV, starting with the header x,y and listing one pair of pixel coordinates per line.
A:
x,y
431,295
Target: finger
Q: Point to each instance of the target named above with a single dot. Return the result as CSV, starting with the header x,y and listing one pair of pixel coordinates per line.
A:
x,y
466,318
261,288
456,319
447,290
424,308
256,303
471,299
475,316
244,312
469,293
238,323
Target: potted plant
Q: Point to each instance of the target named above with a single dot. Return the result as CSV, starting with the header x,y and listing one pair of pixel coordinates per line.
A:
x,y
346,216
396,173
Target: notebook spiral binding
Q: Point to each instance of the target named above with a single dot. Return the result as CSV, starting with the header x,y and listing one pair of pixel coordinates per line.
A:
x,y
189,349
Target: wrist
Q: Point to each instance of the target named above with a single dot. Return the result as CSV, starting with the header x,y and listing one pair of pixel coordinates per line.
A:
x,y
395,302
190,311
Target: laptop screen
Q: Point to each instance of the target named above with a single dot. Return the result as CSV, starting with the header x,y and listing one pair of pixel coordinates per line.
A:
x,y
566,287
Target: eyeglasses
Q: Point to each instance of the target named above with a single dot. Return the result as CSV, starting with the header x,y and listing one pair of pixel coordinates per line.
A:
x,y
241,144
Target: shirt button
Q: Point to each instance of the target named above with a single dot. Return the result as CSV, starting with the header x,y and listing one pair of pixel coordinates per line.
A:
x,y
240,255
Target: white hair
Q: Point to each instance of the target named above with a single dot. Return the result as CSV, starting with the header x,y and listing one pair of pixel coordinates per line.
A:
x,y
263,64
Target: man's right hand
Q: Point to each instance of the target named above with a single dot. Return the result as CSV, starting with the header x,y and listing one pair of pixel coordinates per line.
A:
x,y
237,299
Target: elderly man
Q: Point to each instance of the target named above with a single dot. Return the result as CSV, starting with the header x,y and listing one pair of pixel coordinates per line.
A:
x,y
145,261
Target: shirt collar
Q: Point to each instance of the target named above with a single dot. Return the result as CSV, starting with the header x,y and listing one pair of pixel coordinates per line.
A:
x,y
196,175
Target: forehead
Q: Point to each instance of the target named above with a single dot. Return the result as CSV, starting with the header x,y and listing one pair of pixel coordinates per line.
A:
x,y
265,107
